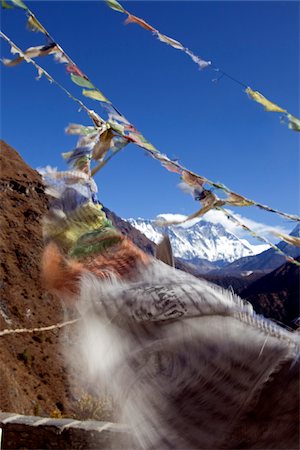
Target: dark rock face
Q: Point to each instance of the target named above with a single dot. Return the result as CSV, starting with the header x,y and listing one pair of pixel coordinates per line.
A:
x,y
277,294
135,235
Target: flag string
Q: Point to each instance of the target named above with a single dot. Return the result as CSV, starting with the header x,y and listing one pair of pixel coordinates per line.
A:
x,y
121,126
293,122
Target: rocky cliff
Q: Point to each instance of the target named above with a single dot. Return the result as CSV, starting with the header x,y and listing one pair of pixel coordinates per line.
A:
x,y
33,377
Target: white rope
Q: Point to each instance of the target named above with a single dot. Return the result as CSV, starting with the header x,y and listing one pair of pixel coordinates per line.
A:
x,y
40,329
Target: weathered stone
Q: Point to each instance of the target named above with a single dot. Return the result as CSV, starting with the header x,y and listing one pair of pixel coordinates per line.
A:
x,y
30,432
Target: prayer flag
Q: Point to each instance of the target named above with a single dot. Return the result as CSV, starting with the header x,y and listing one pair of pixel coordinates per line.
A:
x,y
294,122
141,22
34,25
169,41
96,95
113,4
238,200
80,81
259,98
292,240
19,3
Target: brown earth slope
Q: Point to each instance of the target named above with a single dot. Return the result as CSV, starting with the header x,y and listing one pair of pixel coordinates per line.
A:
x,y
33,379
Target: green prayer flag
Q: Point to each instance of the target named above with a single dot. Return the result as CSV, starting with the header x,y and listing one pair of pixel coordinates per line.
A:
x,y
20,4
113,4
96,95
80,81
6,5
294,123
117,127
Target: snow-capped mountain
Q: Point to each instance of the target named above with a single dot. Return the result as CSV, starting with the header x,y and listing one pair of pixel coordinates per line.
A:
x,y
199,240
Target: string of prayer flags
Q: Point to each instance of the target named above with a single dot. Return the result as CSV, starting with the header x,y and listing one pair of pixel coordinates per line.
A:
x,y
94,116
294,123
96,94
224,188
292,240
127,133
76,75
196,183
202,64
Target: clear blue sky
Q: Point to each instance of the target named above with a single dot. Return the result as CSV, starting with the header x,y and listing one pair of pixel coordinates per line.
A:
x,y
214,129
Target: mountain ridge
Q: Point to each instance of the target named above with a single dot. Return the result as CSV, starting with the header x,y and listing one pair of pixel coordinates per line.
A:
x,y
203,240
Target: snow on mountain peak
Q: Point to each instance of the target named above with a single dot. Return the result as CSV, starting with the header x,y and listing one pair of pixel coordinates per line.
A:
x,y
198,239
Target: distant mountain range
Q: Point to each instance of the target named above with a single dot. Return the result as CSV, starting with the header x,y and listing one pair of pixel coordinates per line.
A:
x,y
202,241
265,261
209,248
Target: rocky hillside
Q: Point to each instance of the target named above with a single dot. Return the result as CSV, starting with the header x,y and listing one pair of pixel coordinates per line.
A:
x,y
277,294
33,378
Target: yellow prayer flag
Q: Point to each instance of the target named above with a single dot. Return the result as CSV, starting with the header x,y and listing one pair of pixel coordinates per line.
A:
x,y
96,95
259,98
